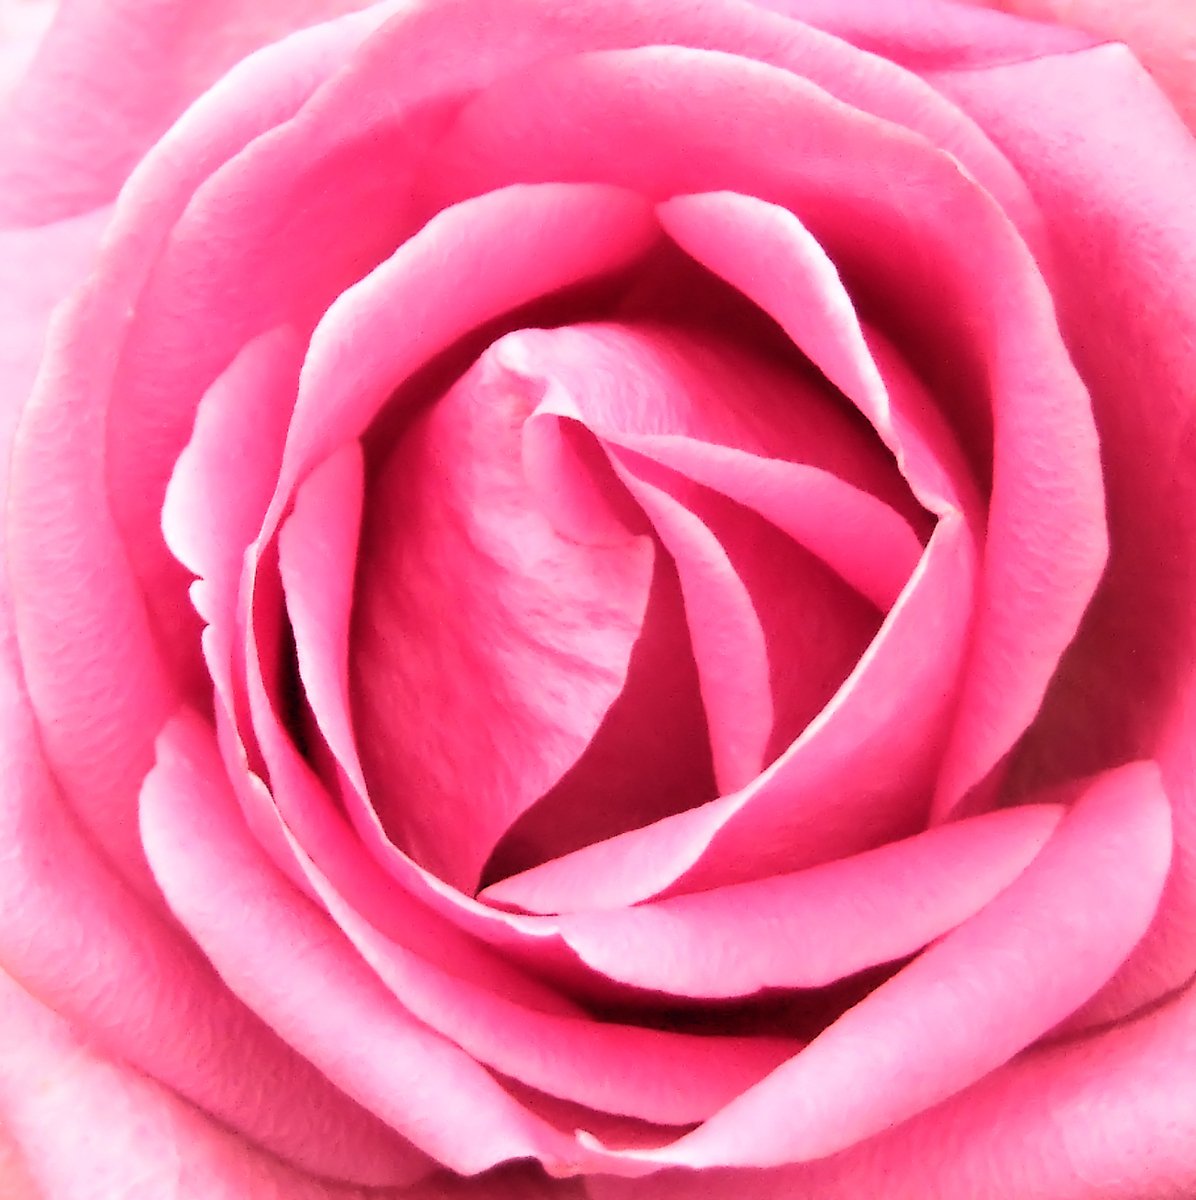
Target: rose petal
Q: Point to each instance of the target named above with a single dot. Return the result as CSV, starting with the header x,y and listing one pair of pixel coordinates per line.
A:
x,y
278,953
1160,33
811,928
668,121
487,648
926,34
75,129
787,453
91,1128
656,1075
1106,1117
821,800
960,1010
1117,203
79,939
89,625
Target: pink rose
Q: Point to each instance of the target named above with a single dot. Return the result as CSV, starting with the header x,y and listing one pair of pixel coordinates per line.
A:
x,y
597,602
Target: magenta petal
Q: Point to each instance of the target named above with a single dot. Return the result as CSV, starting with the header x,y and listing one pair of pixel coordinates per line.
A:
x,y
987,990
278,952
809,929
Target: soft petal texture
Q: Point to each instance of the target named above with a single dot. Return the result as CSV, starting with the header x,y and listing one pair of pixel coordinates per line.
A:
x,y
808,929
1107,1117
493,643
925,34
75,129
98,733
668,120
276,950
23,24
1119,211
76,937
885,723
1162,33
90,1128
989,988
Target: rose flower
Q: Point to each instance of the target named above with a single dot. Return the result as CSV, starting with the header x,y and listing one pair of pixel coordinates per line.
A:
x,y
598,600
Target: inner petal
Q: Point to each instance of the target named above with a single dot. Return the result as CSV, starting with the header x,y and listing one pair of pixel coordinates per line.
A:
x,y
487,648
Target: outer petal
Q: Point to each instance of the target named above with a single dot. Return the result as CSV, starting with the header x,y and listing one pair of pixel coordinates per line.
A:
x,y
77,124
1162,33
89,1128
279,953
1107,1117
986,991
1117,203
923,34
89,626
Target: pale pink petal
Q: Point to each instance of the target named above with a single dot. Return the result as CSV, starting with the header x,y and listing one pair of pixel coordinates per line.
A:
x,y
279,953
91,1128
75,128
1117,200
1161,33
23,24
78,938
1106,1117
925,34
809,929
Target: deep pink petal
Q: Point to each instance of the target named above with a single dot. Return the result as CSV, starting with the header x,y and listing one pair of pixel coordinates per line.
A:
x,y
991,987
923,242
821,799
279,953
809,929
487,648
1117,205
